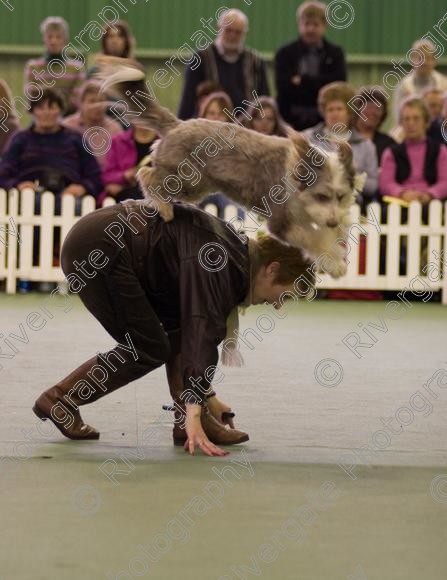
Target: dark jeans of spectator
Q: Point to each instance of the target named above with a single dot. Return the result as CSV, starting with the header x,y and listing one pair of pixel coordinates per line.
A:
x,y
129,193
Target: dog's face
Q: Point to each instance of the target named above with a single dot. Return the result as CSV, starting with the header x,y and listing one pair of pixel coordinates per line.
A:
x,y
328,198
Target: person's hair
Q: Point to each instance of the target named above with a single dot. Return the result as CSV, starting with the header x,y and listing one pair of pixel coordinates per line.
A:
x,y
375,94
90,87
49,96
125,32
312,9
205,88
5,93
433,91
235,13
55,23
291,260
223,100
268,103
338,91
425,45
415,103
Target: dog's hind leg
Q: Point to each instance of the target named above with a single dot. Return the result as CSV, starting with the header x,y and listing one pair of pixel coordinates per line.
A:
x,y
150,184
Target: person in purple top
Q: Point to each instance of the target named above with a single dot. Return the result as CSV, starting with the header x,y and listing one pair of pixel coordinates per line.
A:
x,y
49,156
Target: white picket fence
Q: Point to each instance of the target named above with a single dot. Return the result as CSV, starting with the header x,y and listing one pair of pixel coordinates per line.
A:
x,y
424,243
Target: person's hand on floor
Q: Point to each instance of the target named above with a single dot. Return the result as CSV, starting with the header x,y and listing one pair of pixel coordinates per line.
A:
x,y
196,434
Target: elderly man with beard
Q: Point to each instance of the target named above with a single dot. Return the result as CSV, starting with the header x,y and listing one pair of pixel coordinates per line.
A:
x,y
238,70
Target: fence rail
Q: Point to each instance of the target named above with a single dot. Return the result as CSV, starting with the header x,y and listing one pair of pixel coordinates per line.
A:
x,y
402,236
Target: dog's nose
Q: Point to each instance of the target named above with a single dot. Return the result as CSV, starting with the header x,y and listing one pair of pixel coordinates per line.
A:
x,y
332,223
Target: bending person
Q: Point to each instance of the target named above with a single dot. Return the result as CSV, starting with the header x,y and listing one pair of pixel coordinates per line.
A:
x,y
160,290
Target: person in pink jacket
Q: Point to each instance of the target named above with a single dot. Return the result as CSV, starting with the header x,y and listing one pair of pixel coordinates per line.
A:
x,y
415,170
127,153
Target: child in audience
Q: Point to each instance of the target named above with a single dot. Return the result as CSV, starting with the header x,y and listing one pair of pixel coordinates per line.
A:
x,y
268,121
92,114
129,151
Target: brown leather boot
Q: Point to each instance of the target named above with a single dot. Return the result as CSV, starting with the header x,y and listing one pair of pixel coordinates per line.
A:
x,y
60,404
216,431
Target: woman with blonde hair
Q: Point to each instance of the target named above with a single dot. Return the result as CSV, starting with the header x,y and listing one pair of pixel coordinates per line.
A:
x,y
9,124
338,123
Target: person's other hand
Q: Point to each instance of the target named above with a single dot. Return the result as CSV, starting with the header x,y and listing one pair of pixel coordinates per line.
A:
x,y
196,434
425,197
75,189
113,189
410,196
129,175
217,408
26,184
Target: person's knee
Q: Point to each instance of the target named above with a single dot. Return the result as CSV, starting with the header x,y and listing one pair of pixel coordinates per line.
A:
x,y
157,355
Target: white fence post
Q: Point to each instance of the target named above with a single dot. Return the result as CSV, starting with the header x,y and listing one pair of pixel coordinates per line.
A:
x,y
17,260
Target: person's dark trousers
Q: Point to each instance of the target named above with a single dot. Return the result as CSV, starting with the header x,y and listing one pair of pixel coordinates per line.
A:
x,y
114,295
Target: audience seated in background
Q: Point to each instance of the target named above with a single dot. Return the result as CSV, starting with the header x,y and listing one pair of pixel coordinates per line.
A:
x,y
212,108
237,69
117,40
55,36
92,114
372,117
338,122
420,79
203,91
48,156
129,151
269,121
9,125
306,65
415,170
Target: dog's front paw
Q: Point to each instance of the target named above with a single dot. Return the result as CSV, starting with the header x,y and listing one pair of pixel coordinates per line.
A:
x,y
166,211
144,176
338,269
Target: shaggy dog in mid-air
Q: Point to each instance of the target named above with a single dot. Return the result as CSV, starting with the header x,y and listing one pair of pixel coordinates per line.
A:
x,y
305,194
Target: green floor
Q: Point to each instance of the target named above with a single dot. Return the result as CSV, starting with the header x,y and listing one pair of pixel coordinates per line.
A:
x,y
301,500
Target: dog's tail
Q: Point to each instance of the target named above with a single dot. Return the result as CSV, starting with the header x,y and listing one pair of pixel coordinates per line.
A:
x,y
125,79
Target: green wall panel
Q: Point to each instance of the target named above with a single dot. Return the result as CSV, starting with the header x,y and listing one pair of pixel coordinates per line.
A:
x,y
380,27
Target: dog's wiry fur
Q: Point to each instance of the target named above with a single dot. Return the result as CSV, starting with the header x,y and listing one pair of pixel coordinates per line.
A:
x,y
247,171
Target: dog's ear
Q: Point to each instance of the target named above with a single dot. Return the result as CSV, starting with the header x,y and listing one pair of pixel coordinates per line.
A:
x,y
346,159
302,145
313,156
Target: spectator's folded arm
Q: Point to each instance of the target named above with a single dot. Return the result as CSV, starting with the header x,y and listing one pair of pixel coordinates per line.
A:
x,y
387,180
439,189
